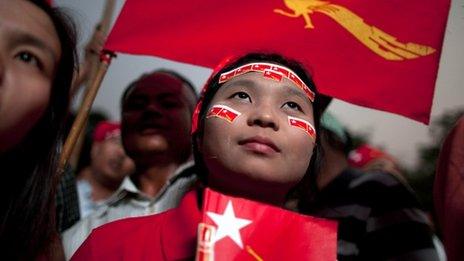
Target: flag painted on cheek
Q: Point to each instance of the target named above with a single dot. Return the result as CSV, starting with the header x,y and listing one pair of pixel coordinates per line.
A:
x,y
223,112
304,125
239,229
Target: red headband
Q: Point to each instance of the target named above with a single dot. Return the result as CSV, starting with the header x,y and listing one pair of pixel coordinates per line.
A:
x,y
270,70
196,112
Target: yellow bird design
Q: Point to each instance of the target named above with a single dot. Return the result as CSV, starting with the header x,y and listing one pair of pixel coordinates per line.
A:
x,y
380,42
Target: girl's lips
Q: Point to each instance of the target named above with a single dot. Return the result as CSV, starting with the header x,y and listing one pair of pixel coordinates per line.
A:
x,y
260,145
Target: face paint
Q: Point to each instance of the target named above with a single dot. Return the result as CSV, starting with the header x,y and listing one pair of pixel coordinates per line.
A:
x,y
304,125
271,71
223,112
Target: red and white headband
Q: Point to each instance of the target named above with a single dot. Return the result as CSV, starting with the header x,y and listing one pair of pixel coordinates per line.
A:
x,y
269,70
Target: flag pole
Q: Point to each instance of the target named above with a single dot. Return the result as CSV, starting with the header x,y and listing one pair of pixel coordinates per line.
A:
x,y
107,15
81,118
103,27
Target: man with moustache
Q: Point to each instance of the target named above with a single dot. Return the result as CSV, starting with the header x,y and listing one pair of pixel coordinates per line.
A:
x,y
155,131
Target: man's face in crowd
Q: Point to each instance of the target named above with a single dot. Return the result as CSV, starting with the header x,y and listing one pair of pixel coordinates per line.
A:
x,y
156,118
110,161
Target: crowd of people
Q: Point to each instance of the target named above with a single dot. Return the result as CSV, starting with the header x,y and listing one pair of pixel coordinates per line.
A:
x,y
248,134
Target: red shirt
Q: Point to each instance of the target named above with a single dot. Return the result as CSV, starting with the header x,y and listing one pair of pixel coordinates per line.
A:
x,y
232,228
170,235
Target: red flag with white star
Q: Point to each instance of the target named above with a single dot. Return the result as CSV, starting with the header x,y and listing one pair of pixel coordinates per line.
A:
x,y
380,54
239,229
226,228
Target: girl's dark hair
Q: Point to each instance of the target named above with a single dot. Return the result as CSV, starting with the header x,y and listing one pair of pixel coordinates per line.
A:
x,y
307,185
27,213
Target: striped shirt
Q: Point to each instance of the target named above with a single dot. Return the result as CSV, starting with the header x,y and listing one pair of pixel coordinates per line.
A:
x,y
379,218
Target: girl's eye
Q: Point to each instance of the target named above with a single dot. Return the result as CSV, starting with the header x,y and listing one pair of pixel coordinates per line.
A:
x,y
241,96
29,58
293,106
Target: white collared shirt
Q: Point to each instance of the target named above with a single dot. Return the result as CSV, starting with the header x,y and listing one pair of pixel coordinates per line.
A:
x,y
129,201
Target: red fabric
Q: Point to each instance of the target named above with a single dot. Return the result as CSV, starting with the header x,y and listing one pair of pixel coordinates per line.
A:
x,y
202,33
364,154
274,234
105,129
223,112
302,124
449,192
170,235
271,233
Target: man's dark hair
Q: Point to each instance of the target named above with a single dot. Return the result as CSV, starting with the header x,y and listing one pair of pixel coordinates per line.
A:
x,y
174,74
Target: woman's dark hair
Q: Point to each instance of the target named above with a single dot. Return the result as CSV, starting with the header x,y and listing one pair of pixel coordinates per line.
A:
x,y
27,213
303,189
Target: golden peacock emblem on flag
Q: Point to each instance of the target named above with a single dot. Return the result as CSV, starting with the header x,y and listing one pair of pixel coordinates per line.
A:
x,y
380,42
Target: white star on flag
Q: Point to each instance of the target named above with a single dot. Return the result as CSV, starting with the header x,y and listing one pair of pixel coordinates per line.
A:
x,y
228,225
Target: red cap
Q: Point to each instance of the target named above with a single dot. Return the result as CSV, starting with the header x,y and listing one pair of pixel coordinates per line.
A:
x,y
364,154
105,130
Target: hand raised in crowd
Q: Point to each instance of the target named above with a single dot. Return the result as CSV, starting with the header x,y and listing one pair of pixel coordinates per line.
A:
x,y
91,56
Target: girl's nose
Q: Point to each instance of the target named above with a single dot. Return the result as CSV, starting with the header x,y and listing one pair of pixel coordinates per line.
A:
x,y
263,116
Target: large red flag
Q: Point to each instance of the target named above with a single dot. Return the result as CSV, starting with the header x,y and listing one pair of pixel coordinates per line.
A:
x,y
239,229
265,232
380,54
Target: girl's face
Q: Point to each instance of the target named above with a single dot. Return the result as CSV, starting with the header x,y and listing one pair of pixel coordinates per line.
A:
x,y
259,152
29,52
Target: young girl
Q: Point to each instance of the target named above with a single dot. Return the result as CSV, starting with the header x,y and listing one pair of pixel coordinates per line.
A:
x,y
255,137
260,155
37,61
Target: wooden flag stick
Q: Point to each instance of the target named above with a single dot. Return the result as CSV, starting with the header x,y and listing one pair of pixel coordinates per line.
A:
x,y
103,28
107,16
83,114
